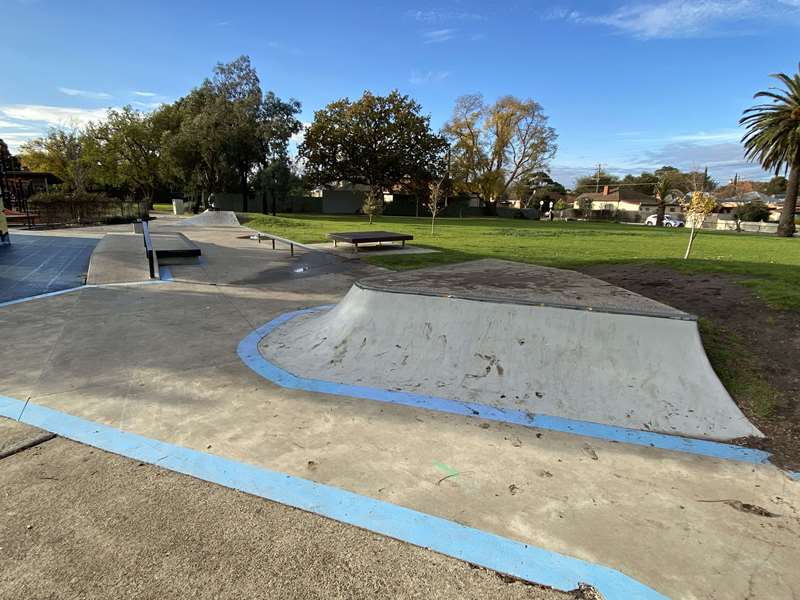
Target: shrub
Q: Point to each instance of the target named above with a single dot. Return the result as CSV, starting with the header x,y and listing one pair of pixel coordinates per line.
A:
x,y
753,211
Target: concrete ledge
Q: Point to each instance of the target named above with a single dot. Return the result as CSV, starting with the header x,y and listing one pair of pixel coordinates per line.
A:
x,y
118,258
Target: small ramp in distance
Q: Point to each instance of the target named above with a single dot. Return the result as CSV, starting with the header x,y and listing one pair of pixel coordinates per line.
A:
x,y
521,338
212,218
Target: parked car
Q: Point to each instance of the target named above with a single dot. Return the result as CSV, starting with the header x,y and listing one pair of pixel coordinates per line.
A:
x,y
669,221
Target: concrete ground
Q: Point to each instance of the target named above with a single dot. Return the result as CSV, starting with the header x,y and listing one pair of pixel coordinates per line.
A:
x,y
83,523
34,264
161,361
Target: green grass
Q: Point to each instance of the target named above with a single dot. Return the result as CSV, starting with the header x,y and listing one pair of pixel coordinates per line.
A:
x,y
162,207
766,263
738,370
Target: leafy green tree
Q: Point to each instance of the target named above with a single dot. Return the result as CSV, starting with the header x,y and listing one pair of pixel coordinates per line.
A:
x,y
377,141
125,148
8,162
752,211
226,129
663,190
60,152
497,145
773,138
595,183
777,185
644,183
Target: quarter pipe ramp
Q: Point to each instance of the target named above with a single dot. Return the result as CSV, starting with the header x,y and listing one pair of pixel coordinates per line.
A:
x,y
540,340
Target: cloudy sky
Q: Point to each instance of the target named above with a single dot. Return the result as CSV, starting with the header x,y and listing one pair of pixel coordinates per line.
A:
x,y
631,85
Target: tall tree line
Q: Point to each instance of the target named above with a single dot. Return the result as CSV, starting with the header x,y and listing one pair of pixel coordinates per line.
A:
x,y
225,135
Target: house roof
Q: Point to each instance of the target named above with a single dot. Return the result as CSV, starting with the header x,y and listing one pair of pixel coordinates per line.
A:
x,y
31,175
620,194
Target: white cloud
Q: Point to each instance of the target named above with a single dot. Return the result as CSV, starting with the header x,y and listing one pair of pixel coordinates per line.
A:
x,y
85,93
422,77
52,115
684,18
437,36
432,16
145,94
9,124
298,138
731,135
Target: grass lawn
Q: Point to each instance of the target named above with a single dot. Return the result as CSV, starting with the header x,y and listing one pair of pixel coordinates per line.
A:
x,y
766,263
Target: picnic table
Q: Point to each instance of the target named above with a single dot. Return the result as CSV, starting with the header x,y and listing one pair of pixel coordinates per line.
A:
x,y
368,237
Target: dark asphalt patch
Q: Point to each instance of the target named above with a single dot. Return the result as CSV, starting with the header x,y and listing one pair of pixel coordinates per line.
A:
x,y
37,264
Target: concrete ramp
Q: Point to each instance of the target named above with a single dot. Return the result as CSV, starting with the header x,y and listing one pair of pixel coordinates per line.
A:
x,y
213,218
540,340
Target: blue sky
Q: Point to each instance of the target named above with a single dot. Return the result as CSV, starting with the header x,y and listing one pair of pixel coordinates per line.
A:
x,y
631,85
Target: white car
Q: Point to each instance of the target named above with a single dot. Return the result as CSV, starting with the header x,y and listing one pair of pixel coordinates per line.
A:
x,y
669,221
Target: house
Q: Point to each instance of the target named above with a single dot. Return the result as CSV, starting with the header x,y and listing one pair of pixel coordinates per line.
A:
x,y
625,200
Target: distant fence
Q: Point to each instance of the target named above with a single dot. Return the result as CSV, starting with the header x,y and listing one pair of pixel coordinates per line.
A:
x,y
728,223
84,208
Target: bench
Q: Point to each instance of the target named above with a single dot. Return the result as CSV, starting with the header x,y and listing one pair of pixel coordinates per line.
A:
x,y
368,237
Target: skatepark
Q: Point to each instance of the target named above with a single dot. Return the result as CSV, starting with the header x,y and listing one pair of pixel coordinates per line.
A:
x,y
533,421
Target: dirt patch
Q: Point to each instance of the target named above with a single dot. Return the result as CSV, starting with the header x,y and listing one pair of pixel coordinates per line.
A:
x,y
744,336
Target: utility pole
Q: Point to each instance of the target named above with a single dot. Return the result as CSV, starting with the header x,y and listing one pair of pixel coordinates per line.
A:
x,y
597,178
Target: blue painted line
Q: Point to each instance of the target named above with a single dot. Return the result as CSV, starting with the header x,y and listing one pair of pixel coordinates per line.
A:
x,y
794,475
165,274
514,558
250,355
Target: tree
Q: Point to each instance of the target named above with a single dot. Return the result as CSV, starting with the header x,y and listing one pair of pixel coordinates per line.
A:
x,y
595,183
125,149
60,152
644,183
377,141
752,211
664,189
373,203
776,185
497,145
8,162
537,186
773,139
697,209
435,200
225,129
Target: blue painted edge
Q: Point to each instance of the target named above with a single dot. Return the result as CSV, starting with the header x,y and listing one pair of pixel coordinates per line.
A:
x,y
165,274
478,547
250,355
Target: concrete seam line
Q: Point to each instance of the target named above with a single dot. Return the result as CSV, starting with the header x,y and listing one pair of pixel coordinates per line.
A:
x,y
39,439
249,353
472,545
89,286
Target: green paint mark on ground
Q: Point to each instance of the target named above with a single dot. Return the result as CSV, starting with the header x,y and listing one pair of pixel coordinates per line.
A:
x,y
446,469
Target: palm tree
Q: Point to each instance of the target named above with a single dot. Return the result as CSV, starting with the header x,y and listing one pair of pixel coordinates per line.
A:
x,y
663,189
773,138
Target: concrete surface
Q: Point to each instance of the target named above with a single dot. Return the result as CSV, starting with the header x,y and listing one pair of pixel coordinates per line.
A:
x,y
518,283
160,360
627,370
33,264
210,218
82,523
15,436
119,258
